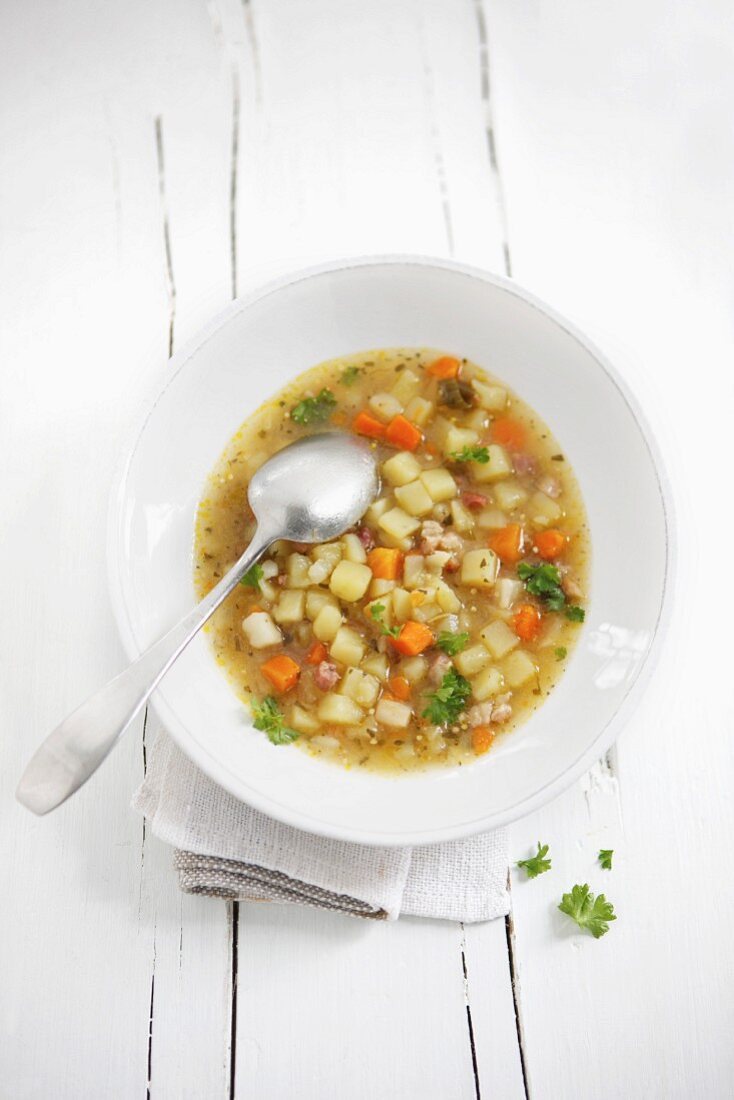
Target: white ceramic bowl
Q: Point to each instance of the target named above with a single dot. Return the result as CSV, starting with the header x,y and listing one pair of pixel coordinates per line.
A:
x,y
244,357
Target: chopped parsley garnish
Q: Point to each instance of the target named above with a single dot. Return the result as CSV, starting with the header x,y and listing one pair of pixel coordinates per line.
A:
x,y
605,858
452,643
544,581
377,610
592,913
350,375
471,454
561,652
252,577
448,700
269,719
314,410
537,864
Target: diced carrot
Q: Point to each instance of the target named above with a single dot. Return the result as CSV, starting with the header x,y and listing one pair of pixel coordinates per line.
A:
x,y
282,671
401,433
445,367
316,654
399,687
481,739
508,433
385,563
338,418
507,543
526,622
364,424
550,543
413,638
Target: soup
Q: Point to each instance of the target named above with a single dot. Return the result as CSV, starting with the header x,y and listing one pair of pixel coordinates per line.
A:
x,y
442,619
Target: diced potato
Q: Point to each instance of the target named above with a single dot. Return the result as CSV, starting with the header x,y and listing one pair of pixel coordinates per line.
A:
x,y
302,721
440,484
347,646
319,571
385,406
414,669
376,665
507,591
435,563
401,469
493,398
519,668
479,568
260,630
377,509
491,519
419,411
270,570
414,570
360,686
472,660
510,494
447,599
499,465
385,616
462,517
350,580
297,568
414,498
424,612
477,419
490,681
328,551
399,544
339,710
441,511
380,587
327,623
398,523
290,607
315,600
499,638
408,382
458,438
542,510
391,713
401,605
353,549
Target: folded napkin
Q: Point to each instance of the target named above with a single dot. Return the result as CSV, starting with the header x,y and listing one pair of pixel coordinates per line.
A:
x,y
226,849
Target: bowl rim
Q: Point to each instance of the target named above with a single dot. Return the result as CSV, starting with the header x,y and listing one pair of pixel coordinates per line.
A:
x,y
177,728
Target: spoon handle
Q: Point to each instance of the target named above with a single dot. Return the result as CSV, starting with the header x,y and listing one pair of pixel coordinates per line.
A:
x,y
76,748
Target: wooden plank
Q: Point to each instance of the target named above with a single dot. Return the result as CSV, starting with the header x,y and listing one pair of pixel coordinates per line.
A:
x,y
616,158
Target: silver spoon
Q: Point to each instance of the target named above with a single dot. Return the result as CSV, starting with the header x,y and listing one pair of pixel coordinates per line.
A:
x,y
311,491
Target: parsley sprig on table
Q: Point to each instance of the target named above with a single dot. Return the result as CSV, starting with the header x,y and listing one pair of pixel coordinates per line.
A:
x,y
314,410
452,643
269,719
544,581
252,577
605,858
471,454
537,864
377,610
589,912
449,699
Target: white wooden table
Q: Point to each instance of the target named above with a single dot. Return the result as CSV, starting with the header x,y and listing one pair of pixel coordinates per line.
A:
x,y
153,155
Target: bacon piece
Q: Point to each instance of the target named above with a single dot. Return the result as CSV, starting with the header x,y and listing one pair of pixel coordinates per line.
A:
x,y
525,465
438,668
325,675
366,537
551,486
473,500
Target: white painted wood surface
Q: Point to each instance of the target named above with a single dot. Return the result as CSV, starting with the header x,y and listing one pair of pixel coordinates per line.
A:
x,y
154,156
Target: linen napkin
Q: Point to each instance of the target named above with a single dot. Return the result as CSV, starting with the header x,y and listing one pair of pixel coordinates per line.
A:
x,y
226,849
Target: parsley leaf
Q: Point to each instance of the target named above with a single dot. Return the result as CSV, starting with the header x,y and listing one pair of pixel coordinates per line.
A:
x,y
252,577
605,858
575,614
544,581
350,375
537,864
448,700
269,719
471,454
314,410
592,913
377,610
452,643
561,653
